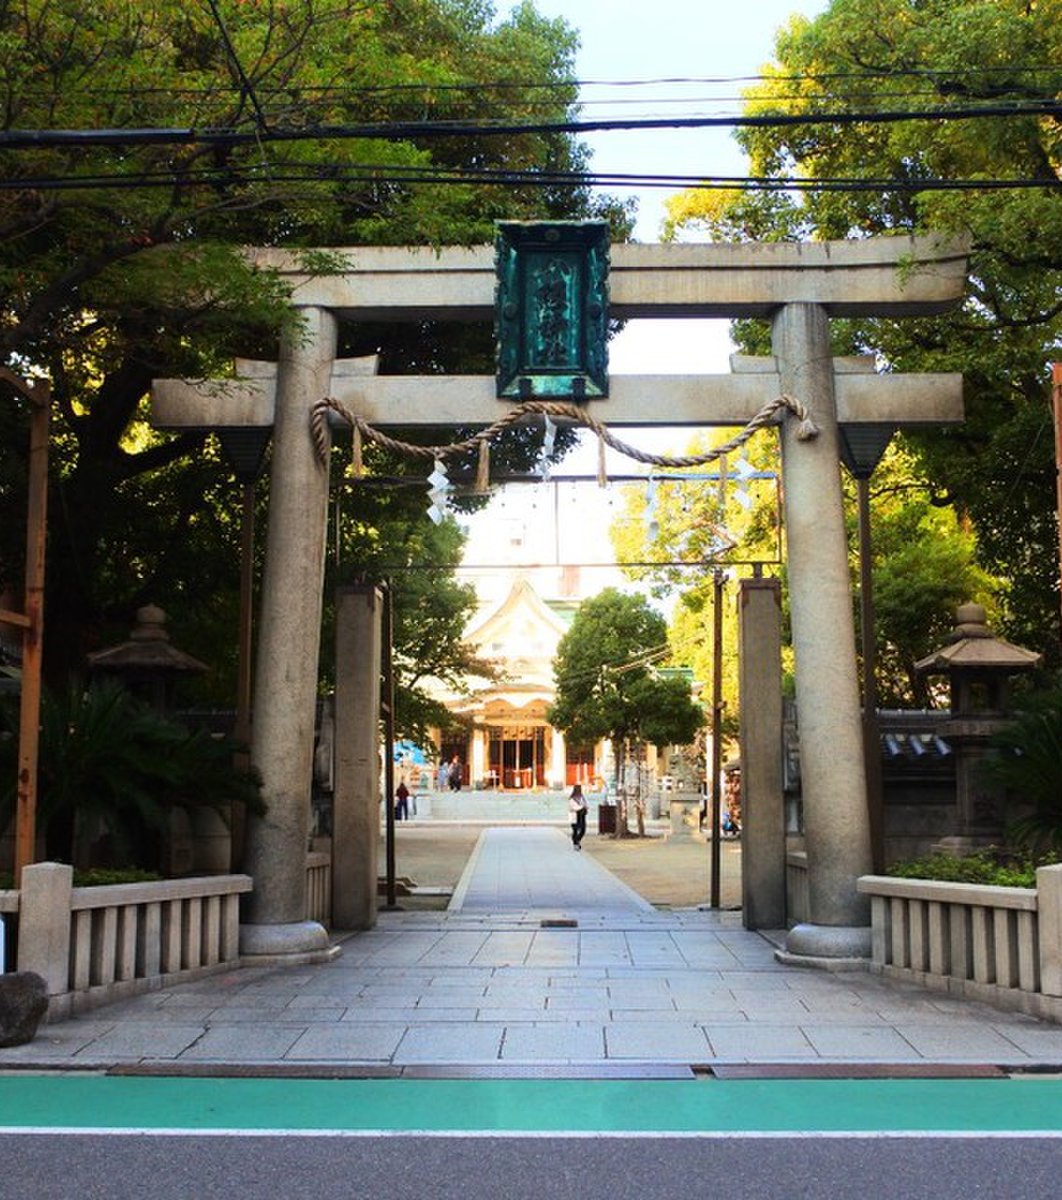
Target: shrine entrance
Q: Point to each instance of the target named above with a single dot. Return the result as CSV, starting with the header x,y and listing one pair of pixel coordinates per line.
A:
x,y
800,388
517,756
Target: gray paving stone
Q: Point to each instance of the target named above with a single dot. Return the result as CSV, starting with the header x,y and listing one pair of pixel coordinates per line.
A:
x,y
57,1041
963,1041
140,1040
1034,1039
758,1043
408,1016
515,1015
553,1043
776,1002
254,1042
532,998
570,998
235,1014
451,997
671,1042
875,1043
450,1043
351,1043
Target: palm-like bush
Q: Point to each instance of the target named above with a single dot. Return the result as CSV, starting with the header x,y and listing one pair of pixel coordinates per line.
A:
x,y
1026,760
110,764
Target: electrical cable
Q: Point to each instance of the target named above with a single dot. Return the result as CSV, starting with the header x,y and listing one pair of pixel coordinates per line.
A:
x,y
23,139
378,174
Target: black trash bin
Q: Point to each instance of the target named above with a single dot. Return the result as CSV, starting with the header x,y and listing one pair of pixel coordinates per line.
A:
x,y
606,818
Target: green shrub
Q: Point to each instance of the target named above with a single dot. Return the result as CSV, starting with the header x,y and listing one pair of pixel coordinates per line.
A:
x,y
95,877
994,866
112,764
1025,760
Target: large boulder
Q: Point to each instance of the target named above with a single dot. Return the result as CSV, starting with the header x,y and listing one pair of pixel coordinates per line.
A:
x,y
23,1001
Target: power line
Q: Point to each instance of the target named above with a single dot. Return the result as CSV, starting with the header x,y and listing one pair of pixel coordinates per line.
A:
x,y
386,174
23,139
929,74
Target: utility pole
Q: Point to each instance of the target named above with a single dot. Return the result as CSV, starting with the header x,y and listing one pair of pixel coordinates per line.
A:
x,y
31,620
1056,389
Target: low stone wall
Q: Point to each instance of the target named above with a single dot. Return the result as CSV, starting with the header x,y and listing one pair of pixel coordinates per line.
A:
x,y
797,909
319,887
1001,945
93,945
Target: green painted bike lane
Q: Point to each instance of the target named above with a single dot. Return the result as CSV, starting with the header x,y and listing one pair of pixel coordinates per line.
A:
x,y
531,1106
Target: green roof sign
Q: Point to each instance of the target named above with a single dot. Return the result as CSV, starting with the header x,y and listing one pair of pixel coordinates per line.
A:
x,y
551,312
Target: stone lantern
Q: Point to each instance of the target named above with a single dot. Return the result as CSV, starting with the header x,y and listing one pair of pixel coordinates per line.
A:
x,y
148,664
979,667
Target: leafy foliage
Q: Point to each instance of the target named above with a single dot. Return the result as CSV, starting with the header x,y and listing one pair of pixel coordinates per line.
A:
x,y
1026,761
134,268
112,764
924,565
994,867
698,521
863,56
605,682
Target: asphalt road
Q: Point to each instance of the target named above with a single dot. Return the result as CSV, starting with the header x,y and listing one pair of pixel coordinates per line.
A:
x,y
591,1167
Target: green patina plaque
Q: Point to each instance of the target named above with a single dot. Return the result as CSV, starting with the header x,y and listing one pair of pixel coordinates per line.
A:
x,y
551,311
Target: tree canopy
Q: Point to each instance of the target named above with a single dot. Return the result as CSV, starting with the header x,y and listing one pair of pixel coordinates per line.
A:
x,y
120,254
607,681
865,59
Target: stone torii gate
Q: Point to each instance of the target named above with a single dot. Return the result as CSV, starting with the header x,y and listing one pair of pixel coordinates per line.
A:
x,y
799,287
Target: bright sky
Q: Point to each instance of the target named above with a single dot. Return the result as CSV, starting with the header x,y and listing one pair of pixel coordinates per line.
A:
x,y
682,40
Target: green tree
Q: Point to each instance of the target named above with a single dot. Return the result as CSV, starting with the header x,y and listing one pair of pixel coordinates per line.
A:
x,y
924,565
607,684
871,56
703,519
121,261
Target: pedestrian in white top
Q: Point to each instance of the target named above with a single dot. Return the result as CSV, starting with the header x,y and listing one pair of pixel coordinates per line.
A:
x,y
577,811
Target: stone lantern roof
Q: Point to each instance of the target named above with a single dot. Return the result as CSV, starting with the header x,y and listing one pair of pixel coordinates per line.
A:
x,y
148,650
973,647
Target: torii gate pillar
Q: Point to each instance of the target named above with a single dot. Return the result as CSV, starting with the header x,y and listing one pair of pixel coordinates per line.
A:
x,y
833,778
285,685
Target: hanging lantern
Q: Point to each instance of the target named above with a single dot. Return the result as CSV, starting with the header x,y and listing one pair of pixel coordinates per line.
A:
x,y
551,313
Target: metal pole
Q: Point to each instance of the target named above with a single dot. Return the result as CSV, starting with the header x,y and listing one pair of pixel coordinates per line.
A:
x,y
718,580
389,739
245,648
1056,379
33,629
871,743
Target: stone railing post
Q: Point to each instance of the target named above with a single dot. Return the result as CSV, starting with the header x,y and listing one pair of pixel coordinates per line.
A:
x,y
1049,901
44,923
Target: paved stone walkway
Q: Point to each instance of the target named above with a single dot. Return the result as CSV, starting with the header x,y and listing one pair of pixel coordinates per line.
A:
x,y
544,963
538,869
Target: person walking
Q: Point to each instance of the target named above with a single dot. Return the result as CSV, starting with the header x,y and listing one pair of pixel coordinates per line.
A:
x,y
577,811
455,774
401,801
